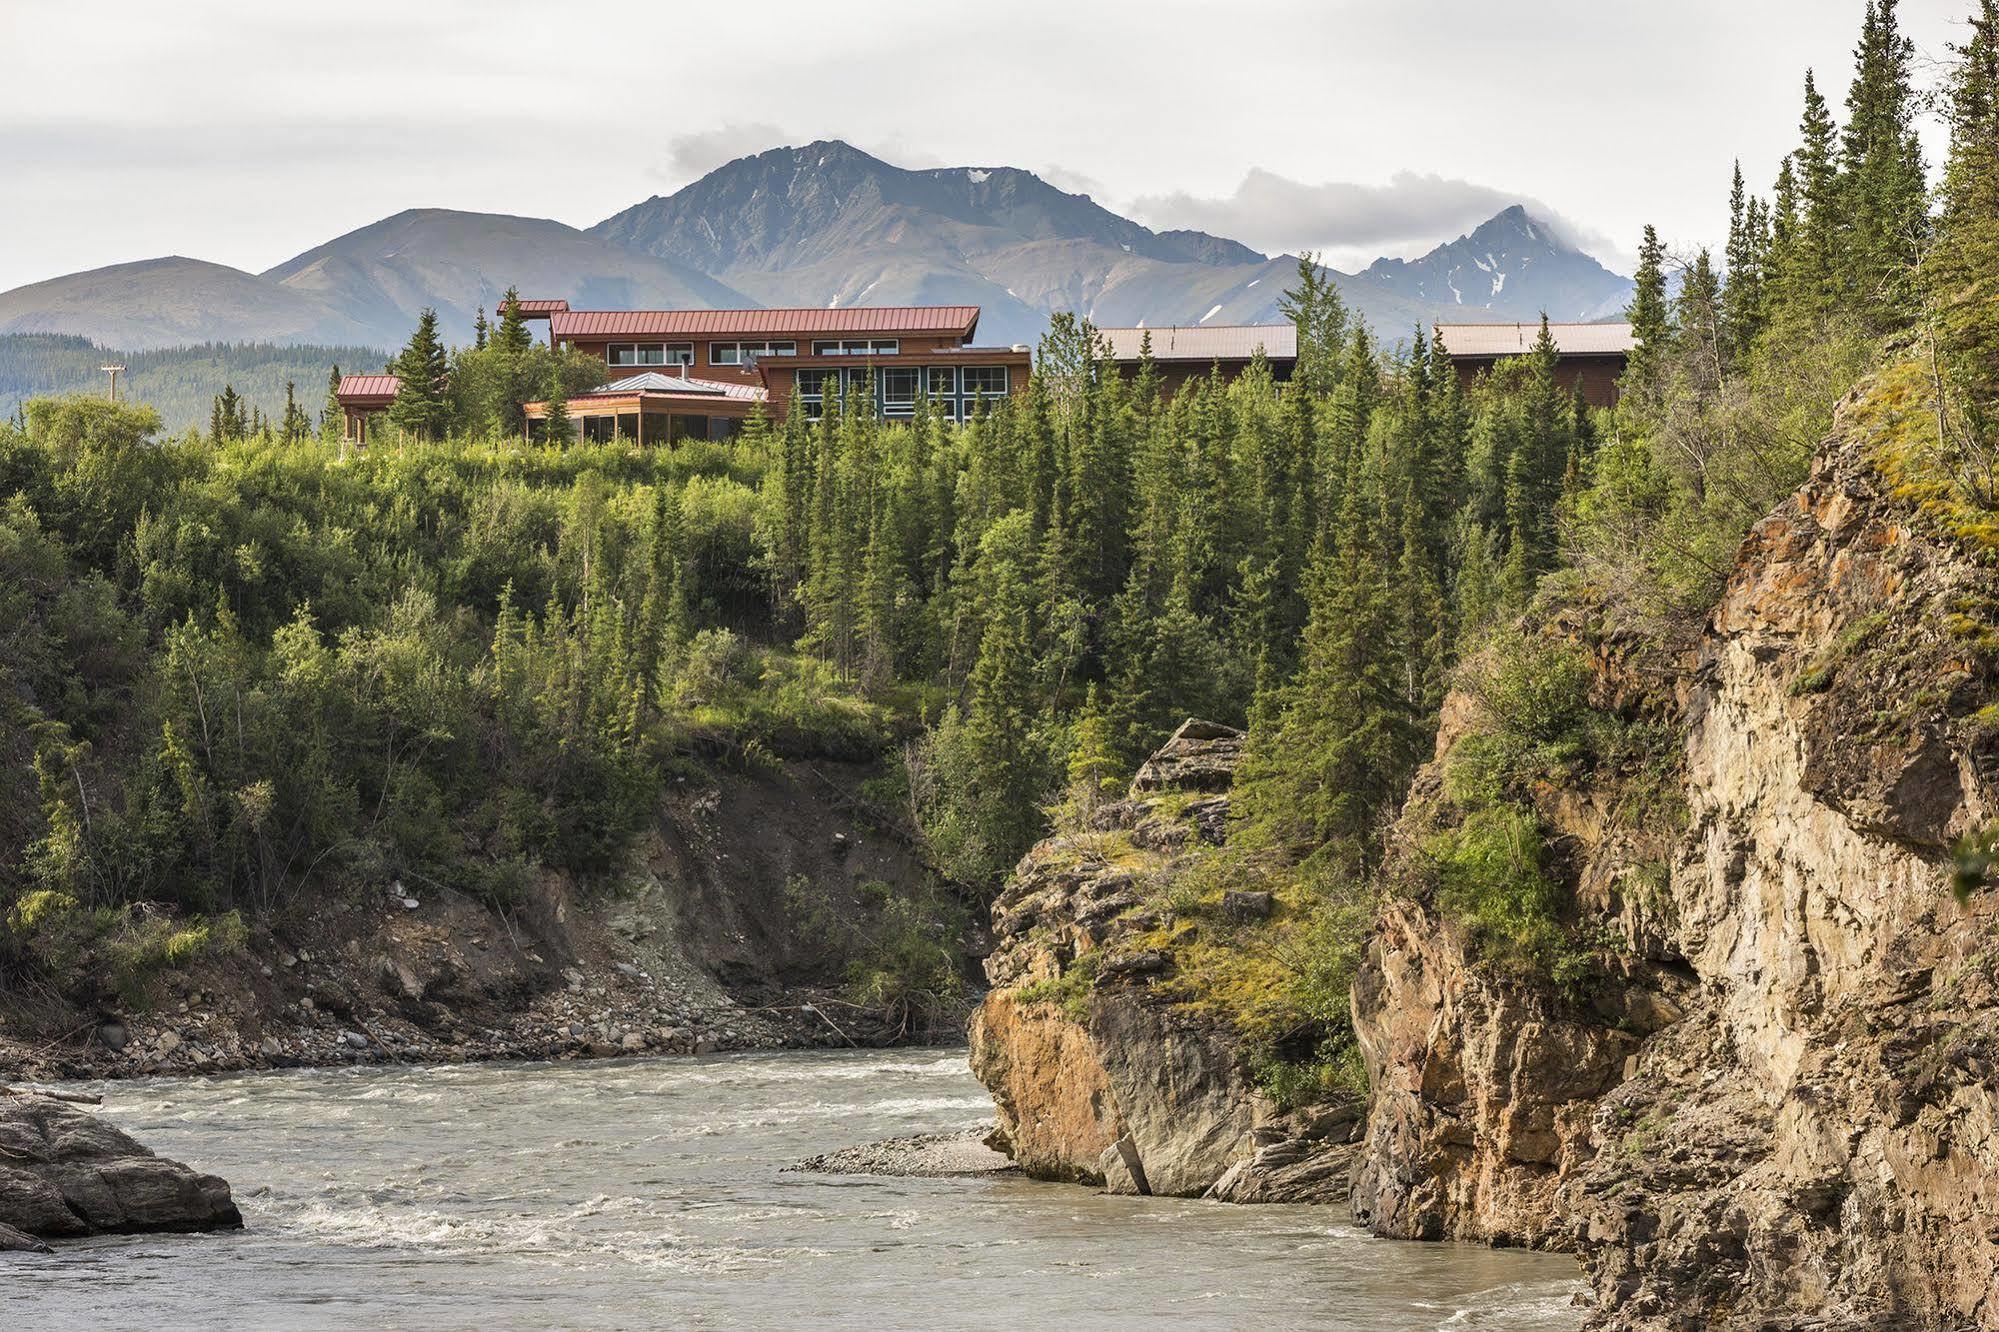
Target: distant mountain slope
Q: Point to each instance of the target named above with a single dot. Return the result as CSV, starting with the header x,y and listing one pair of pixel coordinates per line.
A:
x,y
170,302
818,226
383,275
178,382
828,224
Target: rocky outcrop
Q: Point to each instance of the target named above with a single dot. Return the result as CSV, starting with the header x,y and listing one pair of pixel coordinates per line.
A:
x,y
1096,1076
1817,1139
1483,1081
66,1173
1776,1102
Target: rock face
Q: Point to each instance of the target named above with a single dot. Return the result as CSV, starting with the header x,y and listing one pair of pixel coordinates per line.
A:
x,y
1821,1129
66,1173
1096,1078
1781,1109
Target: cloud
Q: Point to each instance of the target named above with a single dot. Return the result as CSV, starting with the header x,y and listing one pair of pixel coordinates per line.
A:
x,y
691,156
1348,221
1074,182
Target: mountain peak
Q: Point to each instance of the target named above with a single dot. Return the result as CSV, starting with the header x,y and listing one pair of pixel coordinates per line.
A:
x,y
1510,266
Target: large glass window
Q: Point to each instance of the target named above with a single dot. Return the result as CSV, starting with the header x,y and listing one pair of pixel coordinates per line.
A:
x,y
858,347
649,353
985,381
899,390
741,353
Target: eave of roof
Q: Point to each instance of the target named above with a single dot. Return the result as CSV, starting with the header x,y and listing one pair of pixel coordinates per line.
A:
x,y
1477,341
1220,342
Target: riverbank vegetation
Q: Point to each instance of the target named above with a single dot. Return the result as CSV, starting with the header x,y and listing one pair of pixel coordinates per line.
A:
x,y
243,665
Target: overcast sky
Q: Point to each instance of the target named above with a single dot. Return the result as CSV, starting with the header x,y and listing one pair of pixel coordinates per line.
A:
x,y
244,133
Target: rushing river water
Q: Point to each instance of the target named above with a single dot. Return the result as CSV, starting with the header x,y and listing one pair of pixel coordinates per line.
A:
x,y
653,1194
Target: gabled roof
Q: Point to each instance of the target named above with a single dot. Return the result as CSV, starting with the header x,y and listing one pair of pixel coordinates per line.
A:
x,y
368,386
1221,342
957,320
1476,340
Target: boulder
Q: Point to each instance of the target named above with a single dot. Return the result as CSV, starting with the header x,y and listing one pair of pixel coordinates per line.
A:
x,y
65,1172
1200,756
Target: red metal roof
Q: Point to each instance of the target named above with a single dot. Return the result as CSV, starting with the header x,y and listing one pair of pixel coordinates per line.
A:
x,y
529,308
368,386
954,319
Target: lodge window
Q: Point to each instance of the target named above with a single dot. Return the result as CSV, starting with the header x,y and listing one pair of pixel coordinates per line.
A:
x,y
985,381
810,387
649,353
941,383
740,353
858,347
899,390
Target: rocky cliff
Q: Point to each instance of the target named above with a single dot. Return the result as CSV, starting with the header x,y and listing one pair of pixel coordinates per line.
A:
x,y
1765,1095
1099,1072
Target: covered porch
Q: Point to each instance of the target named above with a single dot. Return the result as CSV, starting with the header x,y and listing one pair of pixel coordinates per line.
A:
x,y
656,409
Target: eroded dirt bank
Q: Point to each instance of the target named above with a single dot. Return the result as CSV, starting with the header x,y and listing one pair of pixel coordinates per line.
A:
x,y
716,938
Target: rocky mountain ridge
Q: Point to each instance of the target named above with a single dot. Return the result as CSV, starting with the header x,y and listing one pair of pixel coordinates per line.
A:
x,y
812,226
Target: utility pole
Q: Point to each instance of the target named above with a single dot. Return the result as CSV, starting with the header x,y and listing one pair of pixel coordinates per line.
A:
x,y
113,371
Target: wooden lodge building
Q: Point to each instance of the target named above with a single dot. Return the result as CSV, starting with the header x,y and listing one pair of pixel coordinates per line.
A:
x,y
1190,353
696,374
1592,355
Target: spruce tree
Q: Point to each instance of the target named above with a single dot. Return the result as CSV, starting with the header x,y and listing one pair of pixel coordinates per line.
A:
x,y
1883,199
1804,295
1651,320
1315,781
479,330
557,425
332,420
1701,337
296,425
513,336
421,408
1961,273
1316,310
1742,299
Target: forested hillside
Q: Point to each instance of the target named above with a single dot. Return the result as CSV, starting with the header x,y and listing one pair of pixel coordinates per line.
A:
x,y
244,668
180,383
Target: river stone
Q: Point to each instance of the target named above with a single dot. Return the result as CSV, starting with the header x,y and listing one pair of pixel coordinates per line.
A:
x,y
65,1172
113,1035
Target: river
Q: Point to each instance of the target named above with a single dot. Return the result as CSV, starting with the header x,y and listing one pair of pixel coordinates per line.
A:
x,y
652,1193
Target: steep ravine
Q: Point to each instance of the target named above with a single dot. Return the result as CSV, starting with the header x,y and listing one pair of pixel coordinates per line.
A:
x,y
1770,1102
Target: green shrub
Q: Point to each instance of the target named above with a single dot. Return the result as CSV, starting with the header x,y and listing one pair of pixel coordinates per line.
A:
x,y
1491,880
